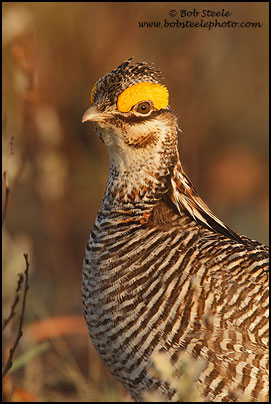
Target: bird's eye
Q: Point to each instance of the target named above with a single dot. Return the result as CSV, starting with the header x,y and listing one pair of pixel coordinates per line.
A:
x,y
143,107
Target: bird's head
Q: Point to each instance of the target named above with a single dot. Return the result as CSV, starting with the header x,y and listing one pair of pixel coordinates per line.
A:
x,y
132,115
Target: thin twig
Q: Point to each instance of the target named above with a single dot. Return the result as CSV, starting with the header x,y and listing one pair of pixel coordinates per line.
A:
x,y
20,328
15,302
5,175
6,198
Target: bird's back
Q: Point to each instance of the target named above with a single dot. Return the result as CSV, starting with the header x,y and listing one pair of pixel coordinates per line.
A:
x,y
168,284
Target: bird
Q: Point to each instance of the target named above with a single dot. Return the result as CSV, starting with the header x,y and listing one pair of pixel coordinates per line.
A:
x,y
161,273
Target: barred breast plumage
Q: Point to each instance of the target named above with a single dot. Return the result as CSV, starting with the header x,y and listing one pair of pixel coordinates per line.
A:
x,y
161,271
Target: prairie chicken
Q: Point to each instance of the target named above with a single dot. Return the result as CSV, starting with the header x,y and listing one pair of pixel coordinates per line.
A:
x,y
161,272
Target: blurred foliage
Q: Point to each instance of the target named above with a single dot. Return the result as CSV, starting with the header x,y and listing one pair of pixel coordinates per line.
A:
x,y
57,169
183,376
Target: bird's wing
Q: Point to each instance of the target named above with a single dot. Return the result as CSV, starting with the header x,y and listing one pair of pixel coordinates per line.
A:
x,y
185,198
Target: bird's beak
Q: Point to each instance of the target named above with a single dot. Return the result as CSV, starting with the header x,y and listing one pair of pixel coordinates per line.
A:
x,y
92,114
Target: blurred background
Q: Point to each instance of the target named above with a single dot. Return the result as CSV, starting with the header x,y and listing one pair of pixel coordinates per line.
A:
x,y
56,168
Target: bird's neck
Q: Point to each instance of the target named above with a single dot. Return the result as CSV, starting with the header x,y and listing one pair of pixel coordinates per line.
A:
x,y
141,184
136,187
